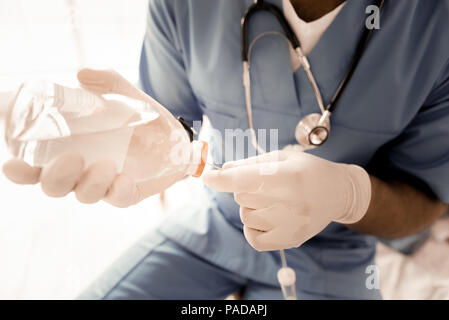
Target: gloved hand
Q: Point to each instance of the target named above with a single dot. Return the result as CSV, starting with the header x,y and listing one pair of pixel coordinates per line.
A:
x,y
287,197
100,180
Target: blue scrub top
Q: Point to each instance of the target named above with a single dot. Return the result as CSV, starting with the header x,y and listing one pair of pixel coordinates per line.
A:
x,y
393,115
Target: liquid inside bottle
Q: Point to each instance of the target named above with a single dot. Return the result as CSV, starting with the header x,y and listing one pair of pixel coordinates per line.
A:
x,y
46,120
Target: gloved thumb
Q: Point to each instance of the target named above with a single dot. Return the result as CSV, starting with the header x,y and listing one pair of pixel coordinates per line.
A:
x,y
107,81
110,81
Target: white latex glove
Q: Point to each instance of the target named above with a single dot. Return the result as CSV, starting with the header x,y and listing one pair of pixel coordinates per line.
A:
x,y
287,197
100,180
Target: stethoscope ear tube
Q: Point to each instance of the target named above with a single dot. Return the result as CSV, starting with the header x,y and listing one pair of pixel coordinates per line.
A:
x,y
262,6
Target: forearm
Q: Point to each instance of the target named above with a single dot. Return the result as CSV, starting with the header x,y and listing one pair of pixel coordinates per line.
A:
x,y
398,209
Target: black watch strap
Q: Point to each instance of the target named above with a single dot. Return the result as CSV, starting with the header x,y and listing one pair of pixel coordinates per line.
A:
x,y
186,126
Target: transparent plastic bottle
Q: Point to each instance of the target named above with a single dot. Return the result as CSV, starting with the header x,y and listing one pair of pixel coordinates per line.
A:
x,y
47,119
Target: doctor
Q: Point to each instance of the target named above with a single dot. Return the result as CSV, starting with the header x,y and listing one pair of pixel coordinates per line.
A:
x,y
384,171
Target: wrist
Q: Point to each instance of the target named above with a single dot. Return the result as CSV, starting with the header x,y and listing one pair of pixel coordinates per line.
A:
x,y
357,194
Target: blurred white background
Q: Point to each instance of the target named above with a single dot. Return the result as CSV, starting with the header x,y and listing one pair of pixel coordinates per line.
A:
x,y
52,248
53,38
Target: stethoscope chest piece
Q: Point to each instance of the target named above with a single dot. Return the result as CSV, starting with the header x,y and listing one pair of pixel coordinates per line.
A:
x,y
313,130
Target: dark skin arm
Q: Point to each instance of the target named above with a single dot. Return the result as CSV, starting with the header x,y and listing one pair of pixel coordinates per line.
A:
x,y
397,208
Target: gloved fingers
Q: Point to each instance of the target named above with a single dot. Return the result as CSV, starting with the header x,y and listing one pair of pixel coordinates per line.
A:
x,y
254,219
62,174
253,200
273,156
276,239
241,179
252,236
231,180
288,227
20,172
123,192
95,182
264,241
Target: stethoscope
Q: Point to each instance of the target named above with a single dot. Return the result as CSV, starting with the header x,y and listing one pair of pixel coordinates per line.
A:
x,y
314,129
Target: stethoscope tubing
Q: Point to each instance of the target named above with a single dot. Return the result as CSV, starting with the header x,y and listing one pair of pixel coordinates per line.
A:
x,y
260,5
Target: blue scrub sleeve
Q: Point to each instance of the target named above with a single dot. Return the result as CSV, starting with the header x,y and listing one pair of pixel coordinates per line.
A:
x,y
163,72
422,150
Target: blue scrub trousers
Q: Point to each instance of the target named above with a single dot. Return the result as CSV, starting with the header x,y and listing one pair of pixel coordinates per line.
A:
x,y
159,268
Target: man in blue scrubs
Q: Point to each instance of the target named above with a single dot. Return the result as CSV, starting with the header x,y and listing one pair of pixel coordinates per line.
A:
x,y
392,120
